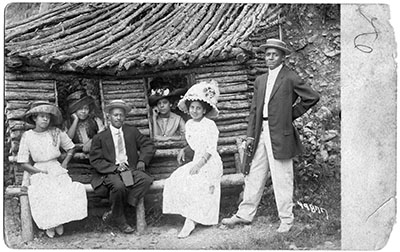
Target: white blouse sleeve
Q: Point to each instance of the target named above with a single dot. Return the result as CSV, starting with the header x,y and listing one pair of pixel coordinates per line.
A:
x,y
100,124
23,151
66,142
211,140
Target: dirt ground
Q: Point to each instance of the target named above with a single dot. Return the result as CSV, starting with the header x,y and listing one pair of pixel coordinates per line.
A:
x,y
92,233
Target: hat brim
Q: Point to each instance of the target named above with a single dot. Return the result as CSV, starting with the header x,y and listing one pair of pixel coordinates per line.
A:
x,y
87,100
110,107
56,116
211,114
285,50
153,99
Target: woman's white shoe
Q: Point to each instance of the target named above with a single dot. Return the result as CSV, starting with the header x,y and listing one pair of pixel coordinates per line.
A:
x,y
50,232
187,228
60,230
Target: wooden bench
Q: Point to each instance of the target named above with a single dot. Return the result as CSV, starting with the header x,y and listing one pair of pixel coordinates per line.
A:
x,y
235,179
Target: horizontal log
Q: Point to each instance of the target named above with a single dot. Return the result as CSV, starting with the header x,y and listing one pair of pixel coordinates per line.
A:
x,y
137,122
232,121
226,180
226,140
40,84
160,163
233,127
162,170
122,82
239,133
233,105
166,153
116,92
161,176
227,149
29,96
230,97
87,169
228,115
221,74
225,79
136,117
227,164
123,96
223,149
33,90
174,144
233,89
169,144
136,100
137,111
34,74
126,86
230,170
17,104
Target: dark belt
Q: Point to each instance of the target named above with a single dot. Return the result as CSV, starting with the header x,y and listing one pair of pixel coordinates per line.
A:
x,y
265,118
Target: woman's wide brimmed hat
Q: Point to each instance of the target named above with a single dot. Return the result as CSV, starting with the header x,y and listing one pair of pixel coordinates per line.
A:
x,y
43,107
117,104
202,91
77,100
165,92
278,44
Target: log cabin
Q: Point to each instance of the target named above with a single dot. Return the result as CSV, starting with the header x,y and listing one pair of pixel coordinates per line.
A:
x,y
114,50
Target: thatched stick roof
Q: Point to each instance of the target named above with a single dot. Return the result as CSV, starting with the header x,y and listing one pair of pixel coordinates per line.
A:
x,y
122,36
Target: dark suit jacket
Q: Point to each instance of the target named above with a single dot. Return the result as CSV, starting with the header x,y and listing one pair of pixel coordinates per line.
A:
x,y
102,153
282,111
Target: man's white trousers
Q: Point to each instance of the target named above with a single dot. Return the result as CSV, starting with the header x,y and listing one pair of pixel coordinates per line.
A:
x,y
282,181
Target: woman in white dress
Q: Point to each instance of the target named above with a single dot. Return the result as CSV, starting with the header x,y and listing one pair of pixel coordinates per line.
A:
x,y
193,190
54,199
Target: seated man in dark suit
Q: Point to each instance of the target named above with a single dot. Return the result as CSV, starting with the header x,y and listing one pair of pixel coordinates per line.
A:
x,y
116,152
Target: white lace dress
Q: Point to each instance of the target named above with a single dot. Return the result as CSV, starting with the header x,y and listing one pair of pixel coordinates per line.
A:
x,y
197,196
54,199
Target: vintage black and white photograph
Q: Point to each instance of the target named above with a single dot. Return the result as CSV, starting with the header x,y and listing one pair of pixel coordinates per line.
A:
x,y
174,125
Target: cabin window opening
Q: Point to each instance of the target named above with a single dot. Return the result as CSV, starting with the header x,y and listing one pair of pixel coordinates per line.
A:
x,y
164,93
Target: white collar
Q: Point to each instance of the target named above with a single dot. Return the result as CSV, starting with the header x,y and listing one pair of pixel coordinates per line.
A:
x,y
115,130
276,70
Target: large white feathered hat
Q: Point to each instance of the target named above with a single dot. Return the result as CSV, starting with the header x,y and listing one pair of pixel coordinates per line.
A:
x,y
206,91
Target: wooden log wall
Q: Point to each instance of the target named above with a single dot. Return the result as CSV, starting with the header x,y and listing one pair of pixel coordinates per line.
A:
x,y
235,78
18,94
134,93
234,106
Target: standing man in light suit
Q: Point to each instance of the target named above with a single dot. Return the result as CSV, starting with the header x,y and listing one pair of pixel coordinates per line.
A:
x,y
276,140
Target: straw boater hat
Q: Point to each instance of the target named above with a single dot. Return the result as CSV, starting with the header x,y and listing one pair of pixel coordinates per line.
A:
x,y
278,44
43,107
165,92
78,99
203,91
117,104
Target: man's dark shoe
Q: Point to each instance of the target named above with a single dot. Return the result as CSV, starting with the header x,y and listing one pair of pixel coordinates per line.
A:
x,y
125,228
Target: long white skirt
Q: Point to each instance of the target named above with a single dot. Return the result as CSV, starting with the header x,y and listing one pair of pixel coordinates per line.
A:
x,y
195,196
54,199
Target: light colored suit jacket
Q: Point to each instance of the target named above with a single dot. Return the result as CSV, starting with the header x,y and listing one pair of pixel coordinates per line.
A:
x,y
282,111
